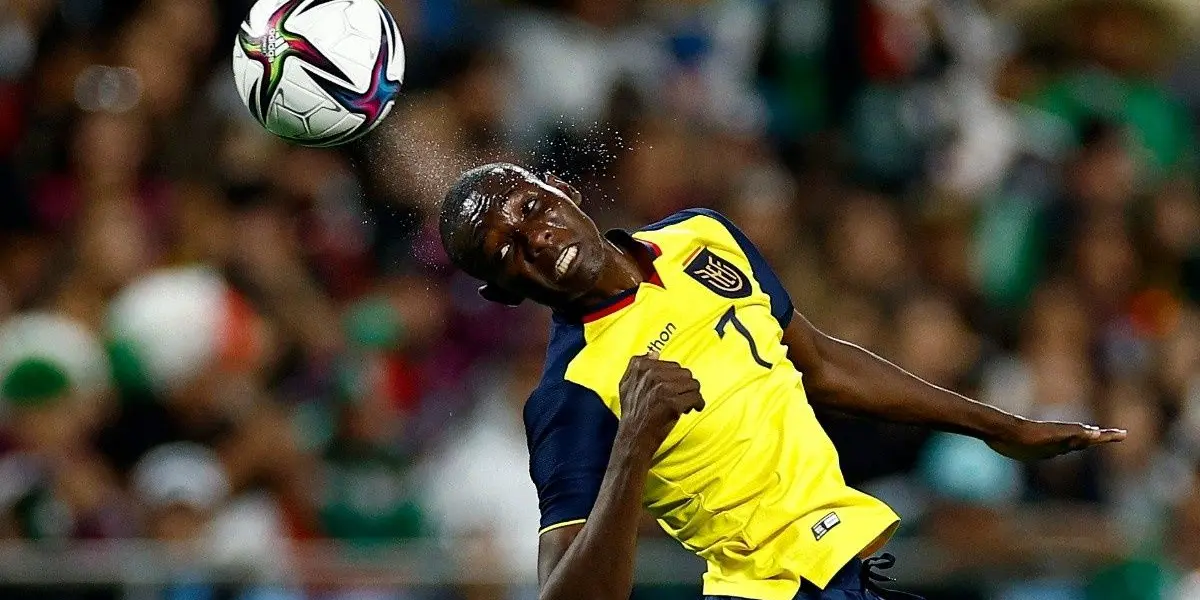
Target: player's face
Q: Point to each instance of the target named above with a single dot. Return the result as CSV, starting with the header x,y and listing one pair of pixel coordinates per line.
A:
x,y
538,242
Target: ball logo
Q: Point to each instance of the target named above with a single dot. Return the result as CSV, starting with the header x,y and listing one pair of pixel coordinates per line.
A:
x,y
718,275
275,44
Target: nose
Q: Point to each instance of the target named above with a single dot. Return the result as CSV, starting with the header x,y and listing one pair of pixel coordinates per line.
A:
x,y
542,240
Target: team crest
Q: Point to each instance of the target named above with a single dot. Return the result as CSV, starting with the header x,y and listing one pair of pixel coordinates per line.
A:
x,y
718,275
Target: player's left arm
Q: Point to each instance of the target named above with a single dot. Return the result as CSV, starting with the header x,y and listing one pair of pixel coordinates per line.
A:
x,y
846,377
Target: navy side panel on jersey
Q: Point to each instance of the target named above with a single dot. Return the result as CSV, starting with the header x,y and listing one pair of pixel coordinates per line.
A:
x,y
570,433
781,302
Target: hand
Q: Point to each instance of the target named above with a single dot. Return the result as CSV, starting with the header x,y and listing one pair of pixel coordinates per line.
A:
x,y
1036,440
654,394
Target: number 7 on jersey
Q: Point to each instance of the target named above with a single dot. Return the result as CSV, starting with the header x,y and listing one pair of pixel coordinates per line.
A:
x,y
730,317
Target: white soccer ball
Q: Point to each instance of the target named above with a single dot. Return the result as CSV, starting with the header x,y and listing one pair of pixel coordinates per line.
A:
x,y
318,72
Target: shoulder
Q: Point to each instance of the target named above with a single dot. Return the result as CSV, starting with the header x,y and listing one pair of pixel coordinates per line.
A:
x,y
570,433
557,402
708,227
704,224
566,342
566,406
689,214
712,230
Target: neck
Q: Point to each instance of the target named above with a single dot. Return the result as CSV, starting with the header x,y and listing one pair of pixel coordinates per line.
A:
x,y
624,268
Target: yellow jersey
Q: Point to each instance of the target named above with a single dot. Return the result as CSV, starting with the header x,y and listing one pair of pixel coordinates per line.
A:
x,y
752,483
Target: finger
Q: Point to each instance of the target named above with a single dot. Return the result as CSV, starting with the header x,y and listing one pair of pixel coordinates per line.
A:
x,y
685,403
666,371
1094,436
1076,443
1085,438
669,386
672,372
681,387
1108,436
642,362
674,368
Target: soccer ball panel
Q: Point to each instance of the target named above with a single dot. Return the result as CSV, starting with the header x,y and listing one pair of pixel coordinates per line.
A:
x,y
306,112
332,122
245,72
358,51
345,31
257,22
326,70
299,94
350,127
285,123
395,70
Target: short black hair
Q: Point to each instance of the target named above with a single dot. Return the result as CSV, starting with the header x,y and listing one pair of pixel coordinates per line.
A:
x,y
462,212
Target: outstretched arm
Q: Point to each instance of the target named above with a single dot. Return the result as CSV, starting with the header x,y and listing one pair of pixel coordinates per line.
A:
x,y
846,377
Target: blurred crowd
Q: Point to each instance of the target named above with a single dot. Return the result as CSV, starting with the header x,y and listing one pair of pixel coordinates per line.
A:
x,y
243,349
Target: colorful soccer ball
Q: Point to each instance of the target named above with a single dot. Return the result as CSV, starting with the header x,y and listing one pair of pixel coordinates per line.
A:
x,y
318,72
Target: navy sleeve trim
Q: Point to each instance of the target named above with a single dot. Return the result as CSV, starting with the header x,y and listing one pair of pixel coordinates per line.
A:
x,y
781,302
570,432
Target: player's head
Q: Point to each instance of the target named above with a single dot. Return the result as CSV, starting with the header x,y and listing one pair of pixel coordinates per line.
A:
x,y
522,234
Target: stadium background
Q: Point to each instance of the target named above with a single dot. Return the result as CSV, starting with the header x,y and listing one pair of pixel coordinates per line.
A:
x,y
237,369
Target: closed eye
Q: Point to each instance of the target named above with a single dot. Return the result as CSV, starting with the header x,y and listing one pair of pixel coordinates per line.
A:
x,y
528,207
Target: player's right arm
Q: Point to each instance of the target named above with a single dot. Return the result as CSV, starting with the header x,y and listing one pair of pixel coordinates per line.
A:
x,y
593,560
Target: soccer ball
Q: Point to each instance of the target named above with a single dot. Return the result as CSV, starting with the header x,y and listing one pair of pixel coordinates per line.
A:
x,y
318,72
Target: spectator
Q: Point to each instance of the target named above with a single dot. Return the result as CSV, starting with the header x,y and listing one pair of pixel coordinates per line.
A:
x,y
55,389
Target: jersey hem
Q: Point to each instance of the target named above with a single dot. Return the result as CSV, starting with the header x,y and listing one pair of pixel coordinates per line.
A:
x,y
753,590
767,589
876,543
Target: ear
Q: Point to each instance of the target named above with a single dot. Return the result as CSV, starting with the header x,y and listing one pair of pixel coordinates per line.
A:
x,y
495,294
564,187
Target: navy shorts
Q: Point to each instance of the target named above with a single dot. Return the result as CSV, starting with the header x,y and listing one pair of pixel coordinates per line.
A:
x,y
852,582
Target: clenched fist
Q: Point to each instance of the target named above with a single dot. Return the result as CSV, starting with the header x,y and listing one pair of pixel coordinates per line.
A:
x,y
654,394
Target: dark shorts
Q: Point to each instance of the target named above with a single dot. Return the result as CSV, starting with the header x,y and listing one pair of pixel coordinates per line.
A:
x,y
850,583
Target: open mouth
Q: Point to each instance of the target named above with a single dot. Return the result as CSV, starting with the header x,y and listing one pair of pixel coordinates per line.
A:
x,y
566,259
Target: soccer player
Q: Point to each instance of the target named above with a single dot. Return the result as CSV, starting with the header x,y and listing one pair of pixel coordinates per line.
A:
x,y
679,378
